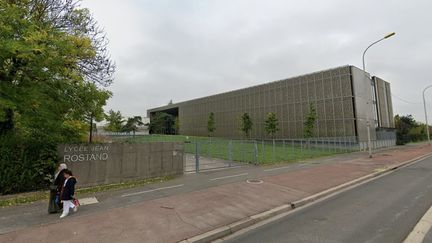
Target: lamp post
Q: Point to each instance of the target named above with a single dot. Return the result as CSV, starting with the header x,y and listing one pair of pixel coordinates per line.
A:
x,y
367,103
424,105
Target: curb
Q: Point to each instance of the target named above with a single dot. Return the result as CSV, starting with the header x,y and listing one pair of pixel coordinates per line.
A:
x,y
254,219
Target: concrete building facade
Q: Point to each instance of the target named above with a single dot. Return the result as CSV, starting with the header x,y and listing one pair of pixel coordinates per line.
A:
x,y
344,98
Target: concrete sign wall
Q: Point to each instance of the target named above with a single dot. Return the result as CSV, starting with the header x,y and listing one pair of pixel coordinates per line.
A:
x,y
97,164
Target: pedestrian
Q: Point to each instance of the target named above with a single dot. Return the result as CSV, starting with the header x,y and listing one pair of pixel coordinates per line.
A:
x,y
67,194
55,204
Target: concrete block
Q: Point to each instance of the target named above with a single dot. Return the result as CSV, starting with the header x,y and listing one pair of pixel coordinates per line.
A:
x,y
97,164
167,146
129,165
130,148
167,162
178,146
143,161
81,171
114,167
155,165
97,171
144,147
156,147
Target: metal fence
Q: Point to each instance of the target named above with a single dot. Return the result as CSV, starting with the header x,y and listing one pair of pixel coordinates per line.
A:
x,y
216,153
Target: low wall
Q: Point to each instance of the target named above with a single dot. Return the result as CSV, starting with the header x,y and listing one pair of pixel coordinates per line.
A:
x,y
96,164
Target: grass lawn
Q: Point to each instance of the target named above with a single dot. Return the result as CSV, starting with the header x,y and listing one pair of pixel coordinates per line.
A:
x,y
262,152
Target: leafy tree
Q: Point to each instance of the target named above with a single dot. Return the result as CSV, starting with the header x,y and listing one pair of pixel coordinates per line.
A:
x,y
211,124
271,124
246,124
309,124
132,124
162,123
54,70
54,67
408,130
115,121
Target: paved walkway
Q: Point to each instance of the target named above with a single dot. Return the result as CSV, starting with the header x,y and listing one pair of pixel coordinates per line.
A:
x,y
197,203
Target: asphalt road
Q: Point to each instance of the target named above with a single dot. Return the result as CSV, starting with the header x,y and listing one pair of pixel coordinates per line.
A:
x,y
383,210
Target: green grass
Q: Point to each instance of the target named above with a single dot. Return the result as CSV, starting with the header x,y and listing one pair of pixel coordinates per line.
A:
x,y
244,150
31,197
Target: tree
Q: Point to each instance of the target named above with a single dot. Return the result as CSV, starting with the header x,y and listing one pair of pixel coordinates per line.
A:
x,y
211,124
409,130
93,107
162,123
271,124
246,124
115,121
132,124
54,70
309,124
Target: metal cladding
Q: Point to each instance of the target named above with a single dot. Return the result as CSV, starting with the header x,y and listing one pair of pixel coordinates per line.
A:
x,y
340,96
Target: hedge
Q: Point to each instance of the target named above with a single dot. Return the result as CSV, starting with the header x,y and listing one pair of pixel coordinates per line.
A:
x,y
25,165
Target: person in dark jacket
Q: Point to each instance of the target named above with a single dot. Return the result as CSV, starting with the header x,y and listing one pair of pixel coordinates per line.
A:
x,y
67,193
55,204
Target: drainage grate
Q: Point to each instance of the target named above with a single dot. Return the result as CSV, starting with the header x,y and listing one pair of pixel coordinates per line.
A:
x,y
254,181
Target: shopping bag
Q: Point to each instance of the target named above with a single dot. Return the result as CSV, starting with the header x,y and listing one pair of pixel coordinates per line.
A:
x,y
76,202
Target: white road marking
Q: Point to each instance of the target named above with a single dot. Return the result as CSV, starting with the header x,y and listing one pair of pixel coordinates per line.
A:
x,y
224,177
88,200
278,168
421,229
285,167
153,190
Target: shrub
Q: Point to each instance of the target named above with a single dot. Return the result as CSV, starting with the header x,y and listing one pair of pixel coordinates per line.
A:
x,y
25,165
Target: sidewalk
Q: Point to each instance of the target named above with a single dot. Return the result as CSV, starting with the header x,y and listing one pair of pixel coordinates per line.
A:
x,y
188,213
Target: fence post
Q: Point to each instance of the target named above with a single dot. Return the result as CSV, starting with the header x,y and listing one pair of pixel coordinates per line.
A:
x,y
311,147
301,149
262,151
210,148
230,153
293,150
273,152
284,153
242,151
255,152
196,157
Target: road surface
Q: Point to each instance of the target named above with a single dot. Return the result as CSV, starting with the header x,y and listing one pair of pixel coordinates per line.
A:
x,y
383,210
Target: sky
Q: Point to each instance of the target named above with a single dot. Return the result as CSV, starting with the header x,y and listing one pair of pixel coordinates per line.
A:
x,y
183,49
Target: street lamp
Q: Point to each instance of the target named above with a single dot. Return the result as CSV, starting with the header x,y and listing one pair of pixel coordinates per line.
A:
x,y
367,103
424,105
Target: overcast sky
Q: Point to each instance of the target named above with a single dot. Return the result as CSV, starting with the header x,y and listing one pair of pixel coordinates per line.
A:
x,y
184,49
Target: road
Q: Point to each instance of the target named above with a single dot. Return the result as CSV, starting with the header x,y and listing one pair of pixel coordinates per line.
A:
x,y
383,210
